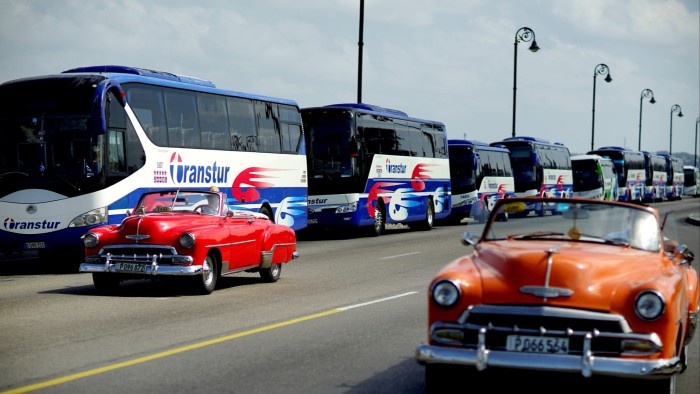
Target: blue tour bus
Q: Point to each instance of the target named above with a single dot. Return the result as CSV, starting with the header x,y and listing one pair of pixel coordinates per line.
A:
x,y
540,168
655,168
81,146
675,177
631,173
480,174
370,166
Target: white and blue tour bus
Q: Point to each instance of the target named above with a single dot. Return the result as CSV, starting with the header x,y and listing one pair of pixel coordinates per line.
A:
x,y
480,174
691,185
540,168
655,168
371,166
594,177
631,174
81,146
675,177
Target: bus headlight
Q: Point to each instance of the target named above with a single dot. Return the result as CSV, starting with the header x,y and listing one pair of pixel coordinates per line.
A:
x,y
91,240
650,305
187,240
445,293
352,207
91,218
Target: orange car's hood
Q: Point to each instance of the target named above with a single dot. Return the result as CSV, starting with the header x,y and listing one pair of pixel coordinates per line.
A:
x,y
583,275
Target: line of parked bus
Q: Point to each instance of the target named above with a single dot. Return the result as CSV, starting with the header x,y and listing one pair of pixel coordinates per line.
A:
x,y
80,147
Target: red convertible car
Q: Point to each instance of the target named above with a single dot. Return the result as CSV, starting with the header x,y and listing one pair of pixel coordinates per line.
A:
x,y
186,233
598,289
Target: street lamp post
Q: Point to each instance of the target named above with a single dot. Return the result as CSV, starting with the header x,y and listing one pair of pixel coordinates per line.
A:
x,y
645,93
524,34
598,70
674,108
360,44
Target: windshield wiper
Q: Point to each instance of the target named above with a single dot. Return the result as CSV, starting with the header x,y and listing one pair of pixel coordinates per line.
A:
x,y
539,234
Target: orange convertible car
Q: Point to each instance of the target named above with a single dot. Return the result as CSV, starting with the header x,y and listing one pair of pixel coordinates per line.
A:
x,y
597,289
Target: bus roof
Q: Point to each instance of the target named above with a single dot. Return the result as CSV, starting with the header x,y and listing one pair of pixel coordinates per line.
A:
x,y
528,141
123,74
590,157
375,110
478,144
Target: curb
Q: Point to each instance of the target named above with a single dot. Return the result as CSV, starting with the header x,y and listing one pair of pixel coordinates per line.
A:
x,y
693,219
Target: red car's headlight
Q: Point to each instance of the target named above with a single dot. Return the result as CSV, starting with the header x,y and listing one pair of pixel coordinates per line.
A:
x,y
650,305
445,293
187,240
91,240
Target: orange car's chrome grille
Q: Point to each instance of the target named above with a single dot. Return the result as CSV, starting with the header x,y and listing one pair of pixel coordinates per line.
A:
x,y
498,322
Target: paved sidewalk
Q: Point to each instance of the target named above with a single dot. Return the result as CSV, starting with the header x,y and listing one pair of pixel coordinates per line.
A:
x,y
693,218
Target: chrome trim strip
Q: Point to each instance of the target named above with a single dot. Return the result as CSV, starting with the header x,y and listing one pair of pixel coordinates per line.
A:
x,y
230,244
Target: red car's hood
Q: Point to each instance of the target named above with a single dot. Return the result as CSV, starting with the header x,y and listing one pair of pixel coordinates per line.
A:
x,y
582,275
162,225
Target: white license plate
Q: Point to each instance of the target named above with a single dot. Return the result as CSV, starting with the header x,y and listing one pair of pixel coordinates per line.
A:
x,y
312,221
534,344
130,267
34,245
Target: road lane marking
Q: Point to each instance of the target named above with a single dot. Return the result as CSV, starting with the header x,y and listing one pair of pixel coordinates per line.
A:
x,y
182,349
397,256
345,308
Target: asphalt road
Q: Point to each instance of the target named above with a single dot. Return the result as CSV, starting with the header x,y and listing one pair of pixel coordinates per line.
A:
x,y
344,318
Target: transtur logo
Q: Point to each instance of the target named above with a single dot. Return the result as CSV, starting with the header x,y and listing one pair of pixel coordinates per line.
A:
x,y
185,173
11,224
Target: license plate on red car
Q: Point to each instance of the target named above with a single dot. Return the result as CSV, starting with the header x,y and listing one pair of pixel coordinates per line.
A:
x,y
534,344
130,267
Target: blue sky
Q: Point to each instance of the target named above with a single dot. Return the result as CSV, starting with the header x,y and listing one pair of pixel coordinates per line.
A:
x,y
447,60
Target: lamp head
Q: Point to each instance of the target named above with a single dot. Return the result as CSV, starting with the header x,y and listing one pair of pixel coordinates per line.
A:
x,y
534,47
680,114
652,100
608,78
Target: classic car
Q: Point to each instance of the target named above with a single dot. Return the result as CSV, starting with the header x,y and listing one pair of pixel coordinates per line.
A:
x,y
598,289
186,233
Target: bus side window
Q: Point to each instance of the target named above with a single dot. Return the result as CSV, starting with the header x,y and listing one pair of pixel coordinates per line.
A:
x,y
241,125
213,121
268,127
183,125
147,104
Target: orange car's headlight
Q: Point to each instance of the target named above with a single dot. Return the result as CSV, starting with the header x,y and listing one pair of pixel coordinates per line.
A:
x,y
445,293
650,305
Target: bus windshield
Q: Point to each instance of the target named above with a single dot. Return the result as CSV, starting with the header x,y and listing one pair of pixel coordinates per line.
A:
x,y
587,175
330,135
521,159
47,138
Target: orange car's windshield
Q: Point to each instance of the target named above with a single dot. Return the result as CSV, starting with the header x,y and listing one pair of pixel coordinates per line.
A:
x,y
613,224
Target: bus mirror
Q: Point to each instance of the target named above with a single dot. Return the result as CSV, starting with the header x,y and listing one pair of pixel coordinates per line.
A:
x,y
533,157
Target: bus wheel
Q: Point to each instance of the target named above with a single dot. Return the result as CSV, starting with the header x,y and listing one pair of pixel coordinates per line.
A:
x,y
266,211
427,223
379,224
